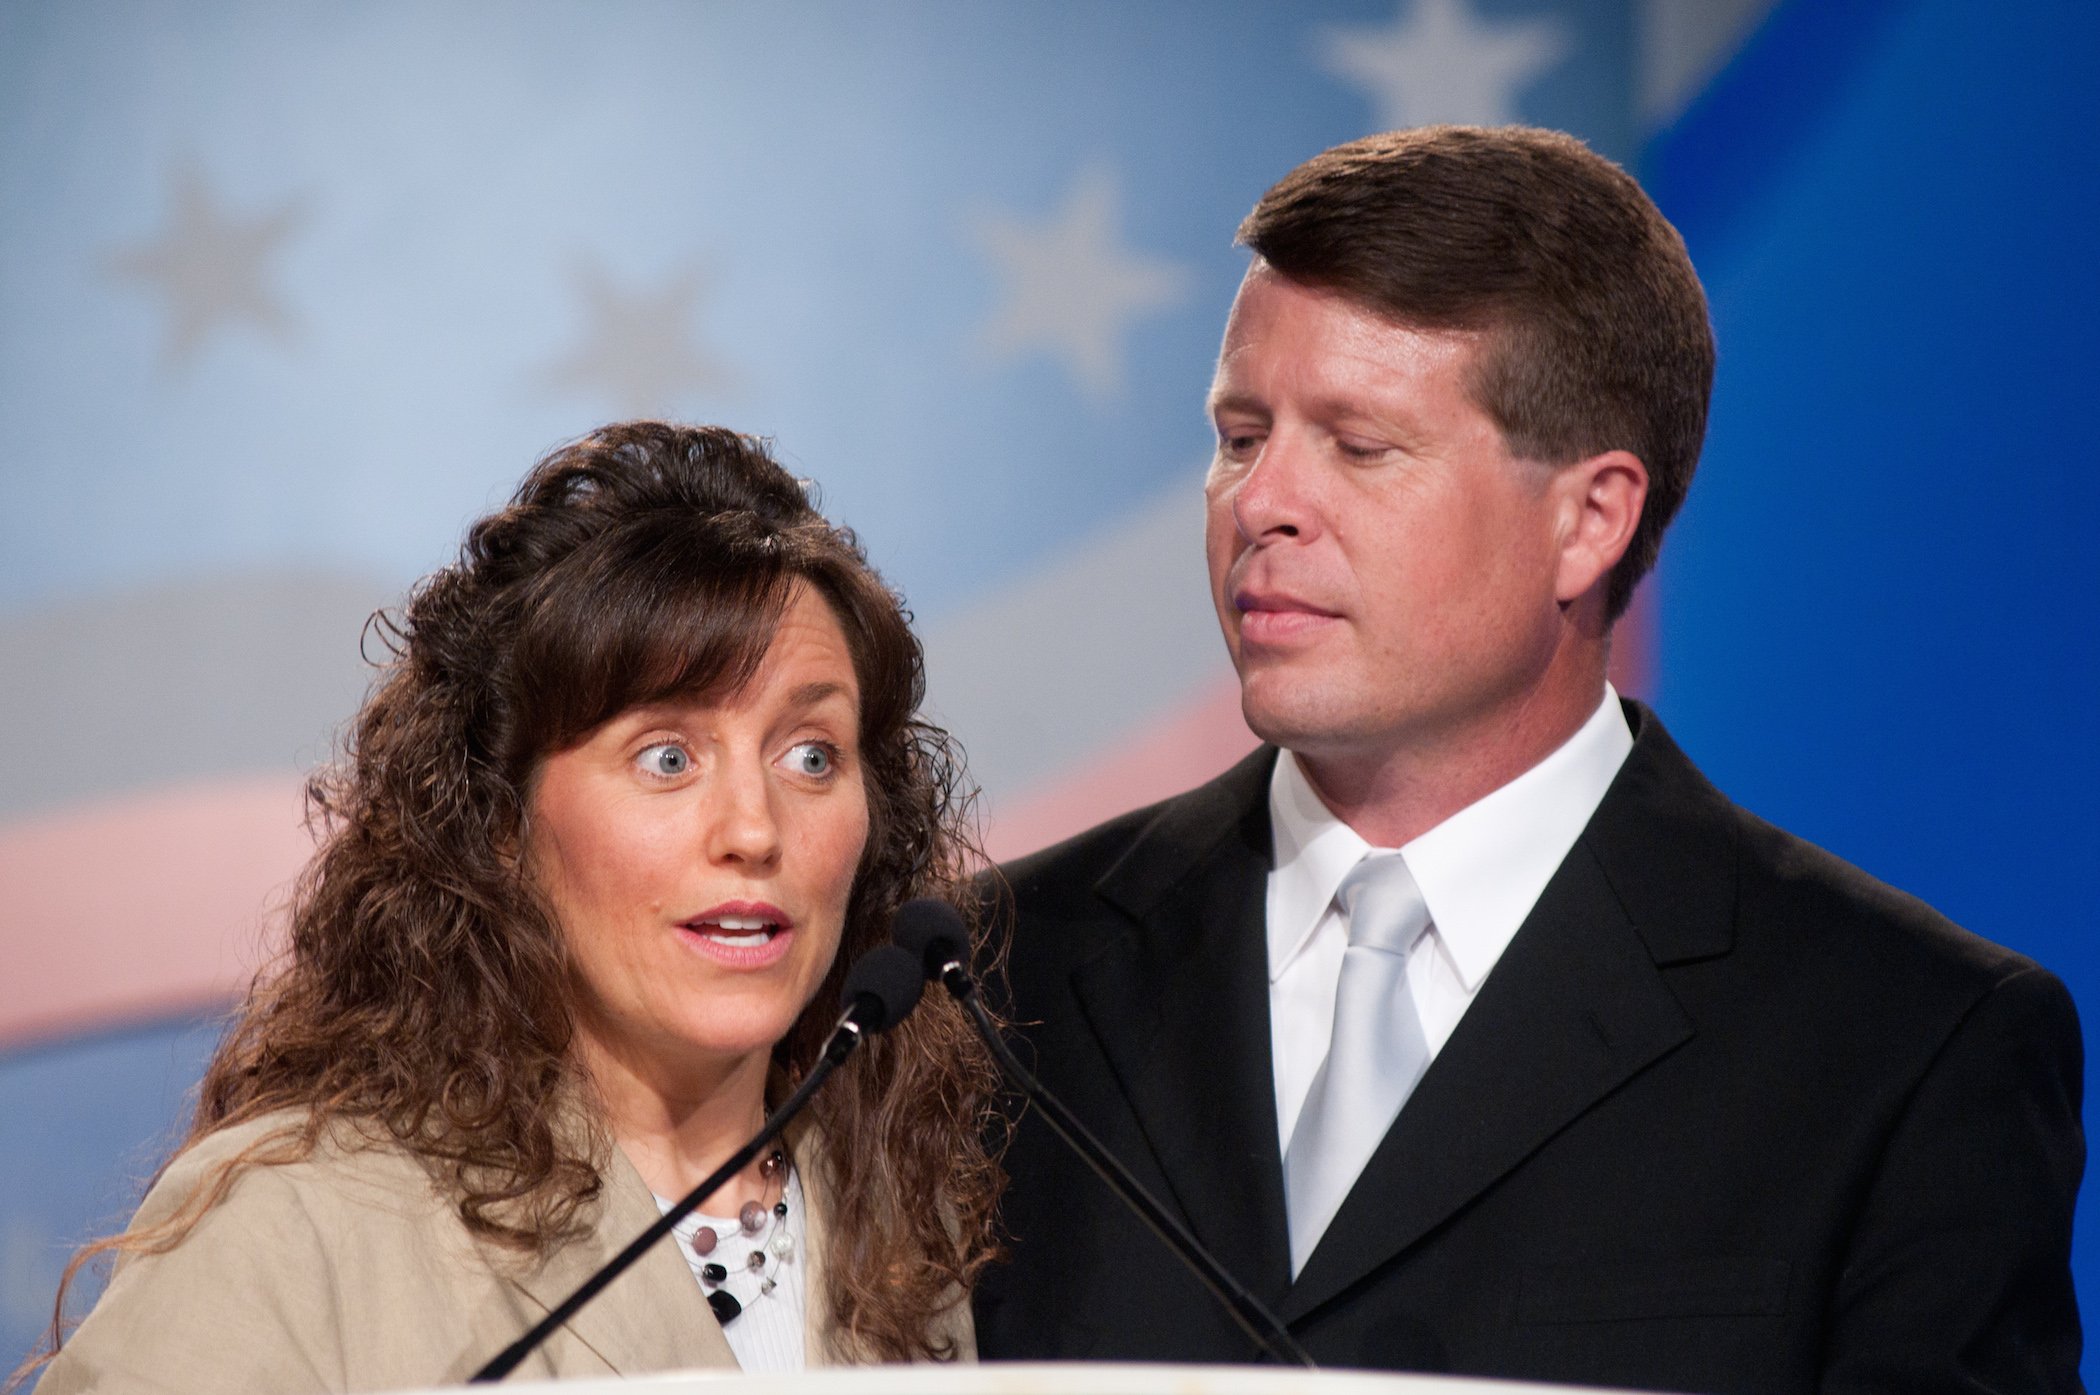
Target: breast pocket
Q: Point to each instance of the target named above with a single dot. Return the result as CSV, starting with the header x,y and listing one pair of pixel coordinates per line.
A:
x,y
1654,1288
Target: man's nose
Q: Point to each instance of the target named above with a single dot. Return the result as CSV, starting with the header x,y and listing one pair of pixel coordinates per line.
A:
x,y
1270,502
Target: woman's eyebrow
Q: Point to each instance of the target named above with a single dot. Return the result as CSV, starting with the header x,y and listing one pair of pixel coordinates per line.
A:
x,y
811,694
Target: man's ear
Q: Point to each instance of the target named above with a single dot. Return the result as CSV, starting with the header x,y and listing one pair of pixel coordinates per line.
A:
x,y
1600,506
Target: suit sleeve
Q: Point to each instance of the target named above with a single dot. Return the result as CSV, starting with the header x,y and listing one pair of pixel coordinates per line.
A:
x,y
244,1303
1958,1276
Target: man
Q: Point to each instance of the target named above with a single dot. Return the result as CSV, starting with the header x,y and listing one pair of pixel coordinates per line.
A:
x,y
1596,1078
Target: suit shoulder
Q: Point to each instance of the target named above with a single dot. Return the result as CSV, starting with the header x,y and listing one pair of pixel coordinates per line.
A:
x,y
1790,881
1077,862
1700,874
1055,908
265,1165
1172,831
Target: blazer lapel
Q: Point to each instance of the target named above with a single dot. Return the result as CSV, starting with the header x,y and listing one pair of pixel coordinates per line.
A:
x,y
1180,1008
1576,1007
821,1340
651,1318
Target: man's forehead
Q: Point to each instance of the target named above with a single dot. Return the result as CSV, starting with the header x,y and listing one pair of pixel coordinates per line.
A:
x,y
1284,330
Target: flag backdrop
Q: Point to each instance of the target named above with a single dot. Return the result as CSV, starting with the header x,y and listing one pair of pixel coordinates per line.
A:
x,y
290,292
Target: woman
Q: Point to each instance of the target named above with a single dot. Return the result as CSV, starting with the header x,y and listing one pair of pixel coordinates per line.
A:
x,y
642,776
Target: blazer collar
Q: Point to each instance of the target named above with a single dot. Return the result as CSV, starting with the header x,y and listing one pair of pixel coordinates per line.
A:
x,y
1668,842
654,1317
651,1318
1227,819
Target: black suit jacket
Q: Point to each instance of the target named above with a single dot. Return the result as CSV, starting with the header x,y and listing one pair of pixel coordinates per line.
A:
x,y
1729,1115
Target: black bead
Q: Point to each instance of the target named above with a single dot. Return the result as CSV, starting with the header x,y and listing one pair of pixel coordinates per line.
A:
x,y
726,1307
713,1273
780,1208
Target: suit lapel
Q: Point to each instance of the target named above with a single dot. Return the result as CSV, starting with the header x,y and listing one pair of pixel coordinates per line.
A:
x,y
1576,1007
651,1318
1180,1008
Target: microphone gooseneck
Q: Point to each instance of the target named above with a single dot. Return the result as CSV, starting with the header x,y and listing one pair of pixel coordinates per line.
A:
x,y
931,934
881,989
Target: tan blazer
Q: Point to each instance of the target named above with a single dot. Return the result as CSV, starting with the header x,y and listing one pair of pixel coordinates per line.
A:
x,y
349,1271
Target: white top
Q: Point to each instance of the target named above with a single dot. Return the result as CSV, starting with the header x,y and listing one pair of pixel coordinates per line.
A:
x,y
769,1334
1481,871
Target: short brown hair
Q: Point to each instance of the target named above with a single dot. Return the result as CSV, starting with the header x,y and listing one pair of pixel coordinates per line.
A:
x,y
1595,332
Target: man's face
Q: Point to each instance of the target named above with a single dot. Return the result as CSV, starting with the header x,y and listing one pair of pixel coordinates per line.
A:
x,y
1383,568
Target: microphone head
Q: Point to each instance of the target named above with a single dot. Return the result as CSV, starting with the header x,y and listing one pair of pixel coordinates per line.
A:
x,y
932,932
882,988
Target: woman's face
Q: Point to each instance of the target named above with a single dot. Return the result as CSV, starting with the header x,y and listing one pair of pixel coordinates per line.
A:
x,y
699,857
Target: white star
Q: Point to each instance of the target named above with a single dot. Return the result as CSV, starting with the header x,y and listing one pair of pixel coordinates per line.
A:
x,y
1071,290
637,349
1438,63
211,268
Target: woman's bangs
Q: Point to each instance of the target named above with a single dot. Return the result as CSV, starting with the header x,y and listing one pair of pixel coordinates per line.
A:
x,y
704,642
630,625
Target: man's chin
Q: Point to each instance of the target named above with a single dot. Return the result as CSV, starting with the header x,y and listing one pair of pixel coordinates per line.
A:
x,y
1287,712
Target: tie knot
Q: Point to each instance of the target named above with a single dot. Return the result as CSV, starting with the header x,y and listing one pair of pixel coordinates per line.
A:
x,y
1385,907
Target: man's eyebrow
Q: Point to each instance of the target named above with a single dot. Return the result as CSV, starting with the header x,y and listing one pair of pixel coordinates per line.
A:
x,y
1237,402
1336,407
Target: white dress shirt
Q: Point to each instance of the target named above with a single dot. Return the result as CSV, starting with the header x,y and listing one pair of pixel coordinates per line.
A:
x,y
1481,871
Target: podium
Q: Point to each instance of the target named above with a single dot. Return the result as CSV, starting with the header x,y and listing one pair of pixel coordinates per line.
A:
x,y
1028,1378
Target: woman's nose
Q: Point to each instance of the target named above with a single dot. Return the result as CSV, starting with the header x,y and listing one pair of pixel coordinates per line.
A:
x,y
741,823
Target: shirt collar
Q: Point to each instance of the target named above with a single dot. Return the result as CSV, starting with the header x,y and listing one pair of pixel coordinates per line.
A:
x,y
1314,851
1480,871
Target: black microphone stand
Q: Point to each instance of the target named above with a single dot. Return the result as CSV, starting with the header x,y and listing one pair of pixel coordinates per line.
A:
x,y
843,1039
879,1000
1250,1312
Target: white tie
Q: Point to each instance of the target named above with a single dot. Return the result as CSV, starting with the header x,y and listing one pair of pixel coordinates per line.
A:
x,y
1375,1057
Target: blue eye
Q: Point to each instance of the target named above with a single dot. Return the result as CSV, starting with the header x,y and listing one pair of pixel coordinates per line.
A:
x,y
665,758
812,758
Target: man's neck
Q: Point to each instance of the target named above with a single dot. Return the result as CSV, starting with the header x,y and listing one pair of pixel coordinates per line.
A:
x,y
1394,792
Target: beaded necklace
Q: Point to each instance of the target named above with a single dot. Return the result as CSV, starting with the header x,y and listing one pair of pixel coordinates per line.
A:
x,y
755,1245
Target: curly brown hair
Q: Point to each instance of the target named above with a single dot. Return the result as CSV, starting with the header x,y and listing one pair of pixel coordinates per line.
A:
x,y
426,989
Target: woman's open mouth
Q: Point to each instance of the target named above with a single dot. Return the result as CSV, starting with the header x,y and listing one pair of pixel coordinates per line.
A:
x,y
739,930
746,934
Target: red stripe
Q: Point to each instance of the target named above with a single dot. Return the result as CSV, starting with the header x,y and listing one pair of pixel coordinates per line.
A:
x,y
144,906
1165,757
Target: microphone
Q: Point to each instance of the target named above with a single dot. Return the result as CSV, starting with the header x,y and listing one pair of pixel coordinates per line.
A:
x,y
931,934
881,989
931,931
